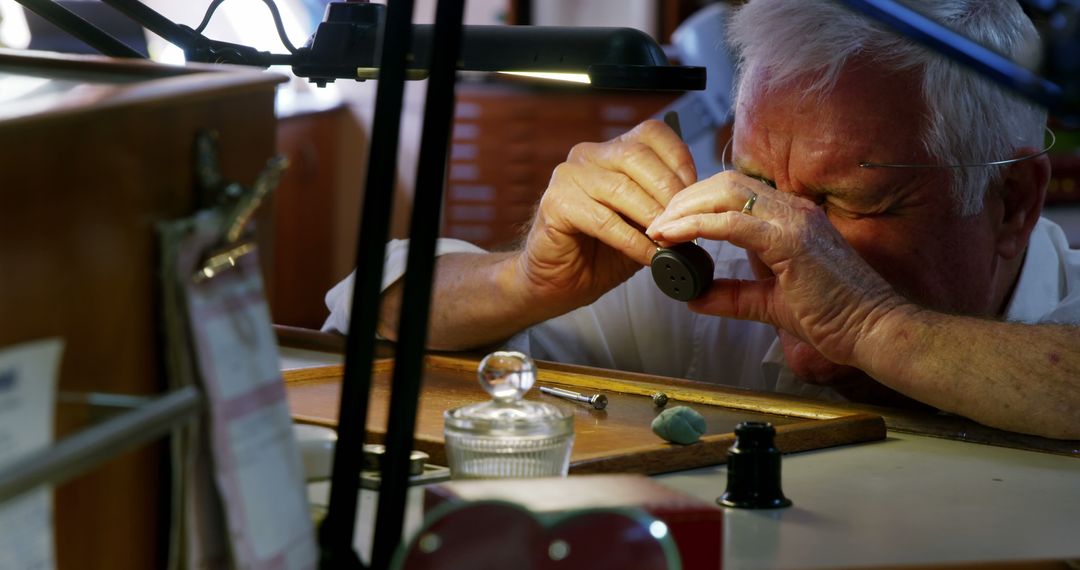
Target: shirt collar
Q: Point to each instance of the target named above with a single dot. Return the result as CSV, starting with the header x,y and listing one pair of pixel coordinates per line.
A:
x,y
1038,288
773,362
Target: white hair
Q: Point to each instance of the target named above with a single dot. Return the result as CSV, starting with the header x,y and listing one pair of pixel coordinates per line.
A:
x,y
969,119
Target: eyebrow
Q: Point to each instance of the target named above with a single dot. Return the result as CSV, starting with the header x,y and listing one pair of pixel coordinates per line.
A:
x,y
834,191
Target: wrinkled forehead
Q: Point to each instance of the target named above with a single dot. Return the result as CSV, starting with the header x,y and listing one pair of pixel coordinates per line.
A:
x,y
863,110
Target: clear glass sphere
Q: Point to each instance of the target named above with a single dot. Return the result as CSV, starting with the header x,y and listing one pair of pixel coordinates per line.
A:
x,y
506,375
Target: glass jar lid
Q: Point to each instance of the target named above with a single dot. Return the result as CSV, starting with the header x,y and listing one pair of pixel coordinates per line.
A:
x,y
508,376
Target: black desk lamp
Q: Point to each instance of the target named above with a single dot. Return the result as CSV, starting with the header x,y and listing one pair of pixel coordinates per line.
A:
x,y
359,40
347,45
344,47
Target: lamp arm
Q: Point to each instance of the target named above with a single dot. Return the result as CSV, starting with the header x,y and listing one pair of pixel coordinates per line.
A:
x,y
79,27
176,34
346,45
196,46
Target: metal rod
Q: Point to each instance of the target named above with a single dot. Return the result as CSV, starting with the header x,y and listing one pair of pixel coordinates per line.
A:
x,y
522,12
103,399
171,32
79,27
336,532
416,295
79,453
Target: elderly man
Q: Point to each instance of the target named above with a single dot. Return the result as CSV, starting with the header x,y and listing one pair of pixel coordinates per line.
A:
x,y
879,238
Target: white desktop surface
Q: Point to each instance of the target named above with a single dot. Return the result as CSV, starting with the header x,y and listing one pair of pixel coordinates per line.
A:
x,y
296,358
906,500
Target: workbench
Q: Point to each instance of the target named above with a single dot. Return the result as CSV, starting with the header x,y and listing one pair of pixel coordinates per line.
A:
x,y
906,500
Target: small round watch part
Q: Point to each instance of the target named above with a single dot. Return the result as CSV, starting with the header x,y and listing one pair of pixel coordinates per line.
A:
x,y
683,271
659,399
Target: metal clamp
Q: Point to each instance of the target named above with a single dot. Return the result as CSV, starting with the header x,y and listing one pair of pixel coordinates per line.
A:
x,y
242,205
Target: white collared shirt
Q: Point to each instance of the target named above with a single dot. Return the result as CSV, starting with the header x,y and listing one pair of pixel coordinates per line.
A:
x,y
635,327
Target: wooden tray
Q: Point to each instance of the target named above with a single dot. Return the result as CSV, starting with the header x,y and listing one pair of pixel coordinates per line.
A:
x,y
615,440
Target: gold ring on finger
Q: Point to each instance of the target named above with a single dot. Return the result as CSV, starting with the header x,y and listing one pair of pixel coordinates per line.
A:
x,y
748,207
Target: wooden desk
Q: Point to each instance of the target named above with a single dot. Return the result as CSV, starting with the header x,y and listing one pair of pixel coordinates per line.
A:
x,y
906,500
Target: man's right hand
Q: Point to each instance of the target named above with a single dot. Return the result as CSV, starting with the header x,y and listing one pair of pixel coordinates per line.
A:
x,y
587,236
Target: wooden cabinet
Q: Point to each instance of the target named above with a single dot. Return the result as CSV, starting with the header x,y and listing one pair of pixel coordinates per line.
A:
x,y
91,158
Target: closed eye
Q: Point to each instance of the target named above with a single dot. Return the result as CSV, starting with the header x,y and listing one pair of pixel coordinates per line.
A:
x,y
764,180
834,210
831,208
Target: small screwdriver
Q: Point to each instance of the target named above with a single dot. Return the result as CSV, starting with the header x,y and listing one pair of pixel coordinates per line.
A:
x,y
597,401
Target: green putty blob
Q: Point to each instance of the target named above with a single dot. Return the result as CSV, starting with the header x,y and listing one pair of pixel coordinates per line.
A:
x,y
679,425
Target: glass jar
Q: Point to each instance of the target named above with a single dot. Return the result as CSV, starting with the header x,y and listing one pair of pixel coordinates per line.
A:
x,y
507,436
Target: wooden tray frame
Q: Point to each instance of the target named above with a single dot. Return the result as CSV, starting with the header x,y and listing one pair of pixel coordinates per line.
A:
x,y
946,426
823,427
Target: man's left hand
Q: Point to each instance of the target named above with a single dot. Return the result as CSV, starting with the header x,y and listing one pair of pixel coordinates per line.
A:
x,y
819,289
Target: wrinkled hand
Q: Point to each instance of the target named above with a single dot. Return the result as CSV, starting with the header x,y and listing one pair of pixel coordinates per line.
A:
x,y
588,236
814,286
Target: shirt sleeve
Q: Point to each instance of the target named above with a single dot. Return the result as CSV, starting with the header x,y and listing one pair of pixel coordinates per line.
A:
x,y
339,298
635,327
1068,308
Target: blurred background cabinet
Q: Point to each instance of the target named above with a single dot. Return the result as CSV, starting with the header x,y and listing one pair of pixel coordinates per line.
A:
x,y
316,208
509,137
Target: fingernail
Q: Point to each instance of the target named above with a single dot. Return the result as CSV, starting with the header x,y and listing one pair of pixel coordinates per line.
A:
x,y
662,219
661,228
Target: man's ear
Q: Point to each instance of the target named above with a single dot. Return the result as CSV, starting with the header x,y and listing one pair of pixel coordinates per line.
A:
x,y
1022,192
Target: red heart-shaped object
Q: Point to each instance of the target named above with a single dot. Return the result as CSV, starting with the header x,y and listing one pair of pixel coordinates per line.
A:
x,y
495,535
